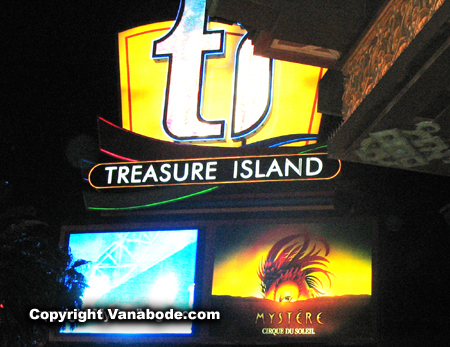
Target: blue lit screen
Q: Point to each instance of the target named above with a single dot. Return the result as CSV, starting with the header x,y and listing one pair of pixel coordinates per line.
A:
x,y
138,269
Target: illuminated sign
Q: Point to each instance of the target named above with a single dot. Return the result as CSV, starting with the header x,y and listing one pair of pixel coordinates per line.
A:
x,y
213,171
136,269
304,280
199,84
197,81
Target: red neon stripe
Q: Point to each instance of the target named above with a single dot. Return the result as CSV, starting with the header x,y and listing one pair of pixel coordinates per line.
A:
x,y
117,156
130,113
129,82
111,153
148,32
112,124
107,121
316,97
234,34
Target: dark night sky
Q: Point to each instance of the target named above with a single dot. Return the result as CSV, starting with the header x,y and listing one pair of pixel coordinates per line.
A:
x,y
59,73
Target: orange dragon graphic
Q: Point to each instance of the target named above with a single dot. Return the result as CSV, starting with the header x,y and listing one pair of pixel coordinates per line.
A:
x,y
293,268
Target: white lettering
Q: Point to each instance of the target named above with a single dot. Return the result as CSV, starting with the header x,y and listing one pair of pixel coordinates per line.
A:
x,y
288,164
274,167
257,173
210,168
308,166
32,315
188,44
196,170
245,166
185,174
164,168
110,170
150,174
122,175
112,313
134,172
252,90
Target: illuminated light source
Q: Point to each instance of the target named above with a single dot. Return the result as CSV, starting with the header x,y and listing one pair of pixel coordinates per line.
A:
x,y
287,292
187,46
191,295
253,90
135,269
98,286
293,141
164,291
184,95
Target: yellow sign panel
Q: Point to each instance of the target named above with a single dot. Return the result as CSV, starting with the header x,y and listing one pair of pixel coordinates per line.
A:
x,y
240,98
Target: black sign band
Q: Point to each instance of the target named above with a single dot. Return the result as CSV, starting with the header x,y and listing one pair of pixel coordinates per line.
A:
x,y
249,169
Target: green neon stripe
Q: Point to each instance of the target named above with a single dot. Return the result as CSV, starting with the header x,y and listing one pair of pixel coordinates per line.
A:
x,y
179,198
314,149
155,203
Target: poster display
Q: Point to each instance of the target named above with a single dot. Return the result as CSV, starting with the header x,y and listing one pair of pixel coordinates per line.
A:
x,y
309,280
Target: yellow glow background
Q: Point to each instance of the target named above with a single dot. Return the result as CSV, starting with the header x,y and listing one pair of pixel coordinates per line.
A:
x,y
143,83
237,274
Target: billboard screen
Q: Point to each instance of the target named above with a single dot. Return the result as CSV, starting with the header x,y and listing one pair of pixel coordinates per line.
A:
x,y
131,270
